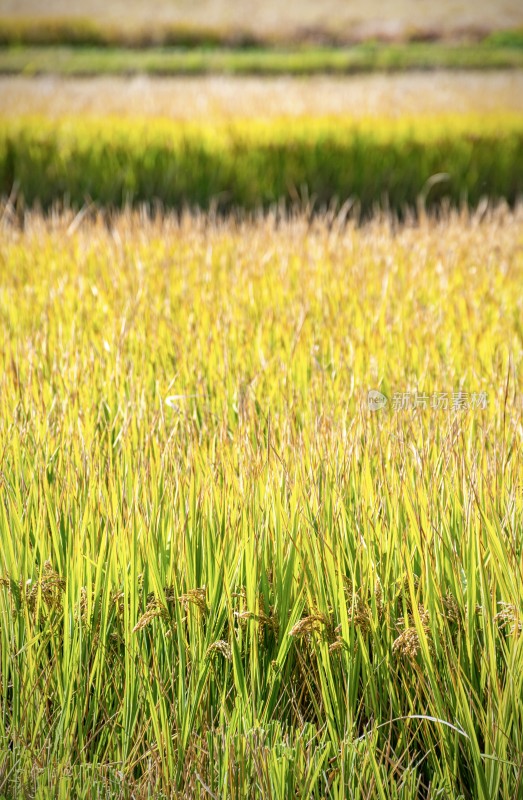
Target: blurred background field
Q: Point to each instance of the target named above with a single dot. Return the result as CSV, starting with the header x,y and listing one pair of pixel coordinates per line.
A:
x,y
330,137
247,165
205,66
293,19
219,37
224,97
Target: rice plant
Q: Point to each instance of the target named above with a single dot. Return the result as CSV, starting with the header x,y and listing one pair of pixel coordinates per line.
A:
x,y
230,164
222,572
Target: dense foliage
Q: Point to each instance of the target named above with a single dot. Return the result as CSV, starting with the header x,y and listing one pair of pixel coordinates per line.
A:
x,y
221,573
245,164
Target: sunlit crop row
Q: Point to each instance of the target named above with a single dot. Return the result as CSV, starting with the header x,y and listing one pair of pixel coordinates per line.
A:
x,y
390,163
222,573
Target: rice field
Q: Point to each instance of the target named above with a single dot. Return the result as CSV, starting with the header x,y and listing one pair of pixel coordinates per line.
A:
x,y
261,425
358,18
226,569
247,165
215,98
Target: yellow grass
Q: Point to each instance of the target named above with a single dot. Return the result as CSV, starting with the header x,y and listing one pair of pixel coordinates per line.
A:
x,y
218,566
205,98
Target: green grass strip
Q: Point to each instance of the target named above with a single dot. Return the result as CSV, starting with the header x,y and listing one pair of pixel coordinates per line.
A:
x,y
249,165
71,60
89,31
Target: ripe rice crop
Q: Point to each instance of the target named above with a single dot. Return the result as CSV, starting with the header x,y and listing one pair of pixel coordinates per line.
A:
x,y
222,573
387,162
219,99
